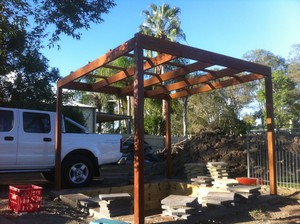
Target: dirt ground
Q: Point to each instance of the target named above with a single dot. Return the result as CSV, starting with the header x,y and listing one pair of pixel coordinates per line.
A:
x,y
282,209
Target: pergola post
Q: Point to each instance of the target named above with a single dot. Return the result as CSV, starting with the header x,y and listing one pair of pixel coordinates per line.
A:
x,y
138,93
58,137
168,138
271,134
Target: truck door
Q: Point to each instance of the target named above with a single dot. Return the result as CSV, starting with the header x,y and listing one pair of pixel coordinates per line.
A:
x,y
37,139
8,137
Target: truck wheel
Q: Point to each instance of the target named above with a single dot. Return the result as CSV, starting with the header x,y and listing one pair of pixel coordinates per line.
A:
x,y
49,176
77,171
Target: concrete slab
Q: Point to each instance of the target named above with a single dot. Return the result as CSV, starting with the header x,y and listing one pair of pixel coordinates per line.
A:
x,y
85,204
73,199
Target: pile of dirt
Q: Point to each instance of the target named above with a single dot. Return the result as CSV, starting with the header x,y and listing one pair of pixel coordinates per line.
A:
x,y
212,146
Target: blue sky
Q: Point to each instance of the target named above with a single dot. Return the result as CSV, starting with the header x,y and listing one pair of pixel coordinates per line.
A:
x,y
230,27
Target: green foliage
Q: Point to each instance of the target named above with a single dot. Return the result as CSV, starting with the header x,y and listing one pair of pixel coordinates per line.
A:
x,y
294,65
177,108
75,114
162,22
285,99
154,122
66,17
265,57
249,121
286,88
213,110
34,87
25,75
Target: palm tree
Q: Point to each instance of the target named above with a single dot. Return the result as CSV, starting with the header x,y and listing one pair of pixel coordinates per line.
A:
x,y
163,22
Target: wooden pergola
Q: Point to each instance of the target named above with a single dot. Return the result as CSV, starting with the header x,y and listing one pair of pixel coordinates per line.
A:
x,y
187,71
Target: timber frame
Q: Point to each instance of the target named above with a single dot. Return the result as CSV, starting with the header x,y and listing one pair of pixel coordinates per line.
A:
x,y
188,71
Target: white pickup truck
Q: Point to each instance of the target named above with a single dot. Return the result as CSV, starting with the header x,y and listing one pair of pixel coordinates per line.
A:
x,y
27,144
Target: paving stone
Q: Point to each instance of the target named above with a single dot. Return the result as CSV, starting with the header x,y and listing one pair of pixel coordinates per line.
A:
x,y
73,199
85,204
114,196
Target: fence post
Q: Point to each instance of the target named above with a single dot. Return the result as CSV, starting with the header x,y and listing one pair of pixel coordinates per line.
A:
x,y
248,155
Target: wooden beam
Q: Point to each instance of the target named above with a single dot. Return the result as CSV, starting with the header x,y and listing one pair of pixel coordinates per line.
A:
x,y
106,58
271,135
169,75
58,136
88,87
192,81
138,166
216,85
180,50
160,59
168,138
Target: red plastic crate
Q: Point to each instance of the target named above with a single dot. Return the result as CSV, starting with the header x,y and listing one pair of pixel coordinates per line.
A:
x,y
250,181
24,198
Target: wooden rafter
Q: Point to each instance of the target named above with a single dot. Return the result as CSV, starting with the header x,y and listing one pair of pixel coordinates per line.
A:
x,y
160,59
88,87
187,83
168,76
216,85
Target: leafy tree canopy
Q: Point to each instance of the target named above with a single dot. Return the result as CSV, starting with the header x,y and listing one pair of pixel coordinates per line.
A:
x,y
285,78
284,99
294,64
25,75
265,57
66,17
162,22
